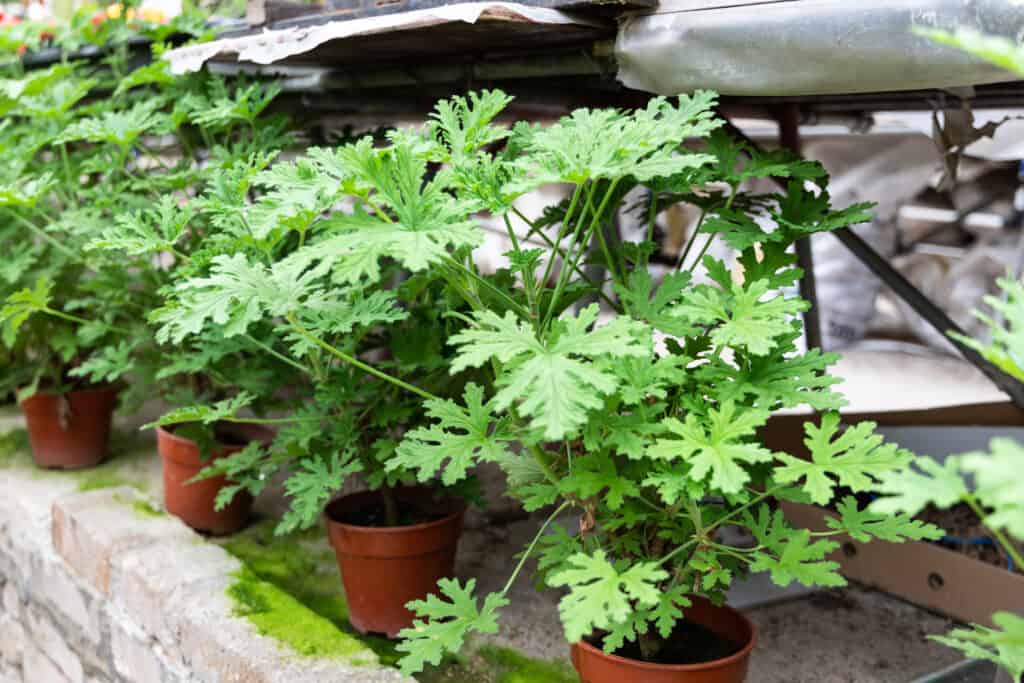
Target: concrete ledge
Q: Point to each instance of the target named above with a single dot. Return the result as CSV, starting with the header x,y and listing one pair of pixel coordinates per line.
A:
x,y
100,586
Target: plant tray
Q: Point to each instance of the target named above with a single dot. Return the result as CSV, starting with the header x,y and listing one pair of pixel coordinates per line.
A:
x,y
923,573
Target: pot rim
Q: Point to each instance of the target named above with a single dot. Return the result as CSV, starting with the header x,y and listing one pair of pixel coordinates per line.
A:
x,y
43,393
703,666
459,511
169,434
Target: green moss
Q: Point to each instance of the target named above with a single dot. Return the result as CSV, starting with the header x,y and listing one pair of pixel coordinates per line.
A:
x,y
278,615
14,448
142,507
515,667
303,566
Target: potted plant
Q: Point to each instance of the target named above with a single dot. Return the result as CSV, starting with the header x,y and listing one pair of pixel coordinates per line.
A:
x,y
222,140
654,451
276,284
69,315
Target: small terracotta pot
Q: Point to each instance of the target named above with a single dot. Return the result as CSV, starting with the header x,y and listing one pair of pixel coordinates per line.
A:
x,y
384,568
194,503
70,431
595,666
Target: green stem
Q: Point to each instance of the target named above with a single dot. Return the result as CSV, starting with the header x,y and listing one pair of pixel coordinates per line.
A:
x,y
533,544
280,356
597,286
1018,559
563,277
652,214
42,234
512,303
268,420
561,232
351,360
743,508
528,278
82,321
692,238
688,544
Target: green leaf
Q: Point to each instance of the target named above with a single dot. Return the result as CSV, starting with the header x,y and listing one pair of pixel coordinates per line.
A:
x,y
554,382
21,305
798,559
461,436
601,595
206,414
444,624
107,364
998,483
741,317
777,380
311,485
463,124
645,303
116,127
718,444
924,483
1006,349
863,525
1003,644
146,232
596,473
856,459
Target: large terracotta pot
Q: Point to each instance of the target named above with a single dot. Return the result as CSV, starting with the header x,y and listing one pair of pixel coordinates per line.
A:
x,y
194,503
70,431
595,666
384,568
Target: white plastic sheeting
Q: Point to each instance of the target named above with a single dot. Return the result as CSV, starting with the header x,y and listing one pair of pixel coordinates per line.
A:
x,y
807,47
272,46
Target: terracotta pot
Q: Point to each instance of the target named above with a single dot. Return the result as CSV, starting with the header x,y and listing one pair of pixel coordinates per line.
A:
x,y
194,503
384,568
595,666
69,431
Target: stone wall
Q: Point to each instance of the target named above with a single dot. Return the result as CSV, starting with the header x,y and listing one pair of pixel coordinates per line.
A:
x,y
98,586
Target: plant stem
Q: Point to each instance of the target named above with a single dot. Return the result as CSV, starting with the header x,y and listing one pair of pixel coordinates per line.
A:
x,y
743,508
563,277
351,360
691,240
82,321
533,544
280,356
1018,560
42,233
528,278
268,420
561,233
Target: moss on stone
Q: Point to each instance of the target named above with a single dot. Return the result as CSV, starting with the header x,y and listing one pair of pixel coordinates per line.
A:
x,y
278,615
302,565
515,667
14,447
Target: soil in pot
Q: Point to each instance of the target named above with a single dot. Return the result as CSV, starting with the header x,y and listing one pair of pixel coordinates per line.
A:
x,y
195,502
385,567
711,645
72,430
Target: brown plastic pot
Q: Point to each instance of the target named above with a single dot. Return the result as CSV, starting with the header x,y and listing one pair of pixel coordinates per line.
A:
x,y
384,568
70,431
595,666
194,503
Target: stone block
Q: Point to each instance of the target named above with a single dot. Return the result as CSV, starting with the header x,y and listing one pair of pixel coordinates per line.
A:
x,y
38,669
12,641
136,656
149,582
45,635
91,529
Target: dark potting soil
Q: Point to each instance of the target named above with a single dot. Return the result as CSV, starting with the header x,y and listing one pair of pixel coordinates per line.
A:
x,y
962,524
690,643
375,515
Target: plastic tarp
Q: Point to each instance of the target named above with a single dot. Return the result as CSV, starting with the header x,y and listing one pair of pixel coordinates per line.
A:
x,y
807,47
271,46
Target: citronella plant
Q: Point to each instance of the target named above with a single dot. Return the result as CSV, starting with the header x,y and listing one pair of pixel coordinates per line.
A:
x,y
276,284
640,418
988,482
655,450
